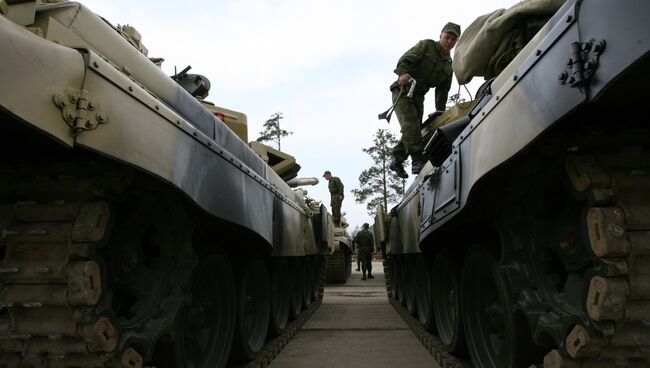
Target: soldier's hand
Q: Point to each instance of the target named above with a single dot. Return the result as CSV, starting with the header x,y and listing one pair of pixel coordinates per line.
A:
x,y
404,79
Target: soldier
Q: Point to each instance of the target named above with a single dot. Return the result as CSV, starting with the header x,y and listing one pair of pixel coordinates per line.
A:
x,y
429,63
355,250
336,191
365,244
358,262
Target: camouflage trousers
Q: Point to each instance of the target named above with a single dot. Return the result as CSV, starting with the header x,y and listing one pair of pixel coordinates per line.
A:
x,y
337,199
409,113
365,254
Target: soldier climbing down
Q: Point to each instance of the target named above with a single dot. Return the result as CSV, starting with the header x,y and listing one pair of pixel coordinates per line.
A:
x,y
365,243
335,187
428,63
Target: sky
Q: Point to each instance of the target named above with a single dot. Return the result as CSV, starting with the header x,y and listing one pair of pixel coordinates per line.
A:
x,y
325,65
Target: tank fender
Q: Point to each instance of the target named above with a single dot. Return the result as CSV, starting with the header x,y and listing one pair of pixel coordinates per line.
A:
x,y
293,233
49,70
527,101
394,246
321,230
150,136
76,26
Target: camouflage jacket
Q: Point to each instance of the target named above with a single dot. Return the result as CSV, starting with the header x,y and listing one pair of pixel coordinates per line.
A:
x,y
335,186
364,240
430,68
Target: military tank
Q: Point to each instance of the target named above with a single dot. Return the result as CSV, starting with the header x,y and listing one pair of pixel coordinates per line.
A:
x,y
138,228
525,240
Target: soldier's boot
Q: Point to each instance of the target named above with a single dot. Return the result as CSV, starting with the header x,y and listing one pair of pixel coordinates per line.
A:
x,y
370,276
418,163
398,167
364,277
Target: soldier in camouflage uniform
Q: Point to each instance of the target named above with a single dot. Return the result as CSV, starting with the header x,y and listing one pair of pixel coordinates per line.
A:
x,y
336,191
365,244
358,262
355,250
429,63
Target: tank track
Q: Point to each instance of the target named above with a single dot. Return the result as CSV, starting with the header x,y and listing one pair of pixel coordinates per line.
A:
x,y
338,267
51,280
273,347
52,275
428,339
617,300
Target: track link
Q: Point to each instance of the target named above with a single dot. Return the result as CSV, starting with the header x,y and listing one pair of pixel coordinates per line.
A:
x,y
55,222
618,297
50,284
53,272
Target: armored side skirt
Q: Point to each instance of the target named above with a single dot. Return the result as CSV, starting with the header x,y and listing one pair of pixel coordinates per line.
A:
x,y
533,93
80,99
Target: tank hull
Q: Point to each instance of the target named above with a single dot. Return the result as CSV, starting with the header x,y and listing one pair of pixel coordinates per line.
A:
x,y
134,217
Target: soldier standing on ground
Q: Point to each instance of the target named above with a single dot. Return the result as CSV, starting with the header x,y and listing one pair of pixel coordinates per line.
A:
x,y
365,243
358,262
336,191
355,250
429,63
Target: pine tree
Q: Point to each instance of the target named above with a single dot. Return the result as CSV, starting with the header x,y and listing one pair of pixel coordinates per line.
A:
x,y
378,184
454,100
272,131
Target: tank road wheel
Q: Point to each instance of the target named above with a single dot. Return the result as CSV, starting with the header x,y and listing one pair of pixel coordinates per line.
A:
x,y
307,264
204,332
446,303
280,296
253,309
315,277
422,283
489,322
210,318
146,258
408,285
296,288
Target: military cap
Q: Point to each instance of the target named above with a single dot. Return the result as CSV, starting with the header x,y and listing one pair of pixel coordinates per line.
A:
x,y
327,173
365,225
452,28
